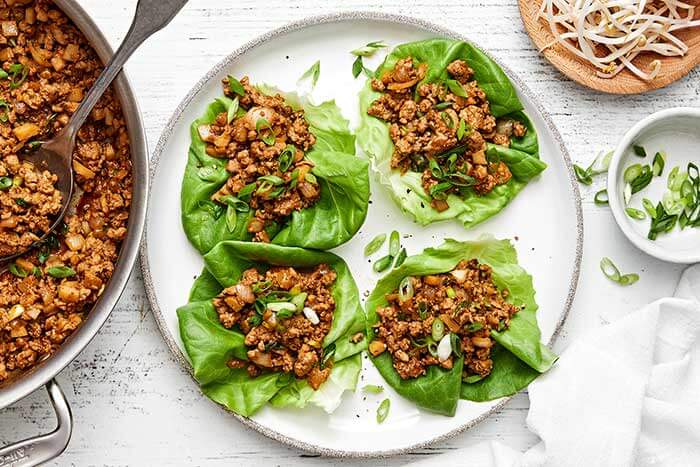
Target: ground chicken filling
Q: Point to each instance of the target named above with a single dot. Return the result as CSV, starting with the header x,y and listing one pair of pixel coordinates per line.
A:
x,y
441,130
285,314
47,67
264,142
28,203
431,320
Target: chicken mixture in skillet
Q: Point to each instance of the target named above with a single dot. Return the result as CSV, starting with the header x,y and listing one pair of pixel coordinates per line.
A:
x,y
28,202
285,314
431,320
47,67
264,142
441,130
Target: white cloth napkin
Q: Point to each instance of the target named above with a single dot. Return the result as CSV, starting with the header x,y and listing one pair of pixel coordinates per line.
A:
x,y
626,394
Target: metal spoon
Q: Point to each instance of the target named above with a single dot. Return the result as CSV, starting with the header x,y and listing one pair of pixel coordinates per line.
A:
x,y
56,155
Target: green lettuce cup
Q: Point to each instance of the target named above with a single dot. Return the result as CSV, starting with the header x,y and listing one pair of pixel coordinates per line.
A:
x,y
342,177
210,346
518,355
468,207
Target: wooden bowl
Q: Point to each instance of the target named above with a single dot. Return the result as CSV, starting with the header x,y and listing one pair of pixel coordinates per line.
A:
x,y
672,68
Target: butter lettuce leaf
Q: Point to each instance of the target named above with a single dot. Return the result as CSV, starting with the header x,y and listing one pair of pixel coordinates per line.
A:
x,y
209,346
519,356
406,189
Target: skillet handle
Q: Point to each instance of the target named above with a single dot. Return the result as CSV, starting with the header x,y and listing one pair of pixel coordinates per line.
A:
x,y
43,448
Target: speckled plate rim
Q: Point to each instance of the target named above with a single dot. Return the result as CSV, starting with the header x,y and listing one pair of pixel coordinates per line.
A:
x,y
296,26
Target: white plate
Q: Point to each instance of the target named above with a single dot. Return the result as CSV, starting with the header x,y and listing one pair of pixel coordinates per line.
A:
x,y
544,222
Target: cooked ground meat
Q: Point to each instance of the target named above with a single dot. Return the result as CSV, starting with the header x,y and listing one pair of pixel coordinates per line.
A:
x,y
285,314
28,202
47,293
464,303
441,134
264,144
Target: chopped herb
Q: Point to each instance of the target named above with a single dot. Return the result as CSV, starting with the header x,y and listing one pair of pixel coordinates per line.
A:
x,y
313,72
21,202
255,320
16,270
456,88
473,327
383,410
18,73
375,244
235,86
373,388
60,272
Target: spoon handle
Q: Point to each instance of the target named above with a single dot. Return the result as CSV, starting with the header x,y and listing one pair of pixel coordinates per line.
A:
x,y
151,16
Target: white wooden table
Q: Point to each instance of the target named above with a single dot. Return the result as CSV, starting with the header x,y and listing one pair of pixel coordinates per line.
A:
x,y
131,402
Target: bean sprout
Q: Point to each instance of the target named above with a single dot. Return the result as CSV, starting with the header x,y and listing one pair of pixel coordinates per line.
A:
x,y
610,34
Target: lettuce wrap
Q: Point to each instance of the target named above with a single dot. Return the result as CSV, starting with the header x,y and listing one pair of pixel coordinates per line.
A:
x,y
209,345
332,220
521,158
519,356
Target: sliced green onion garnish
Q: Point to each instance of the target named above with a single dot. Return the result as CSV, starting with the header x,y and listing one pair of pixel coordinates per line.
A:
x,y
632,172
639,151
394,243
450,292
383,410
627,193
601,198
373,388
406,289
298,300
375,244
60,272
369,49
383,263
613,273
659,163
5,183
635,214
582,175
456,88
672,177
473,327
231,218
400,258
313,72
649,207
601,163
235,86
437,330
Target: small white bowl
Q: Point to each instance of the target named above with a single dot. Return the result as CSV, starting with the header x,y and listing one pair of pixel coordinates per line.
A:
x,y
677,133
